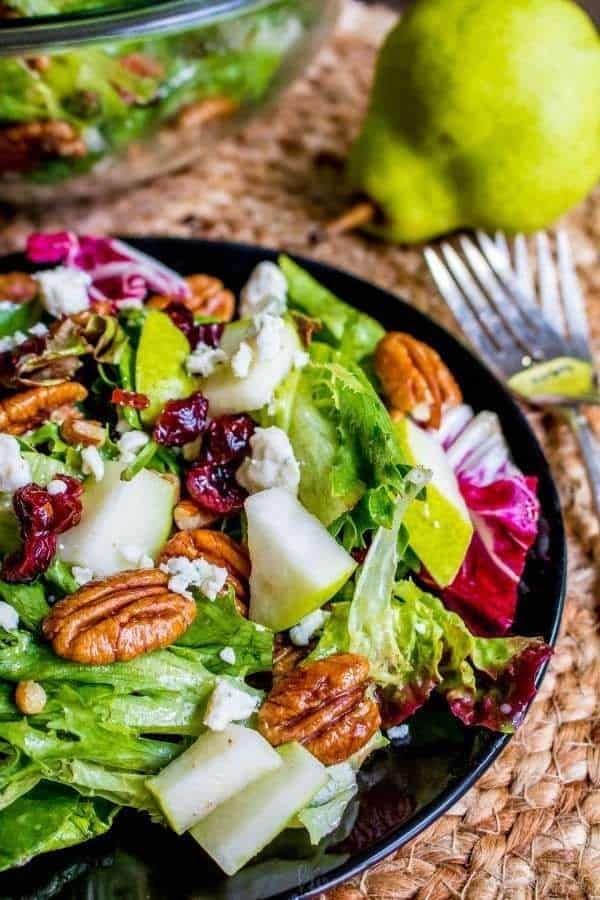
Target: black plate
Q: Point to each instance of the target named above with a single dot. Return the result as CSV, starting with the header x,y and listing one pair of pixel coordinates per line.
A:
x,y
404,789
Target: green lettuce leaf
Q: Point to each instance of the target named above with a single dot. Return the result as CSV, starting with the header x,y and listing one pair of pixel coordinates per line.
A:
x,y
415,645
29,600
217,625
353,333
49,817
352,469
327,807
22,656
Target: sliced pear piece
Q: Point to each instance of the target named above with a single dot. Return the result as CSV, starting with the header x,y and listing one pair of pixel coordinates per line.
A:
x,y
160,371
116,514
563,376
227,392
240,828
439,526
297,566
217,766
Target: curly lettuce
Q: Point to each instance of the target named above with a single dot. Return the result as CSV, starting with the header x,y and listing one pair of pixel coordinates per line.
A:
x,y
352,469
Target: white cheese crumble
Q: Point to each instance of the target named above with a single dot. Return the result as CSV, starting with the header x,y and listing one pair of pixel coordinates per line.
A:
x,y
265,291
15,471
301,633
92,463
228,704
136,557
204,360
227,654
242,360
9,617
269,335
12,341
397,732
130,444
82,575
56,486
187,573
7,305
271,463
38,330
64,291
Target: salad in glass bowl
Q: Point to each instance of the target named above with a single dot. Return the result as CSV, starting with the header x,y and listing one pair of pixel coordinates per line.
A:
x,y
244,542
99,94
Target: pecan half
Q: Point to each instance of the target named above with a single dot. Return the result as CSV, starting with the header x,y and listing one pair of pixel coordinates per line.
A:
x,y
286,657
23,146
220,550
118,618
414,378
323,705
188,515
207,298
83,432
27,409
18,287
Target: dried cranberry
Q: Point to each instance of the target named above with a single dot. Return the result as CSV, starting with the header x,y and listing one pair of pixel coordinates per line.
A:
x,y
214,488
129,398
227,439
359,554
183,318
33,508
31,559
206,333
67,506
181,421
42,516
209,333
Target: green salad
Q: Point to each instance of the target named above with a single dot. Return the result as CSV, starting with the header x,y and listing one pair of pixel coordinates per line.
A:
x,y
244,541
62,114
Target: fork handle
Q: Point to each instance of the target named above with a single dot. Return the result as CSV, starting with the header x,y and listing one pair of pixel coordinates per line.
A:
x,y
590,450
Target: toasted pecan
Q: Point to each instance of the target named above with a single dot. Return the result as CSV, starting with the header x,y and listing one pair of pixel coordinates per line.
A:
x,y
414,377
188,515
220,550
83,432
118,618
27,409
324,705
208,297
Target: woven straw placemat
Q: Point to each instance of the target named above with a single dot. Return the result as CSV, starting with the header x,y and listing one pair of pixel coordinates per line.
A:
x,y
531,827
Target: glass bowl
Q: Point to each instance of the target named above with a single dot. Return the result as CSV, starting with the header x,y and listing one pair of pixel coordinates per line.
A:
x,y
98,99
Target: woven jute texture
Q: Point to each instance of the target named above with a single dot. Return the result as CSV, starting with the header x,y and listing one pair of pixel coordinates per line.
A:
x,y
531,827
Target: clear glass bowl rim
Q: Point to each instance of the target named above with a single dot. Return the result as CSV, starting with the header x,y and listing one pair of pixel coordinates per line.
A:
x,y
141,18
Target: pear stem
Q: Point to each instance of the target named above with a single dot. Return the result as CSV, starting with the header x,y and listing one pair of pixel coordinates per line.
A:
x,y
358,215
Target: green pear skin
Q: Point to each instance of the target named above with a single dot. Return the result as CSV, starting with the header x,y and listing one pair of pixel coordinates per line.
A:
x,y
484,113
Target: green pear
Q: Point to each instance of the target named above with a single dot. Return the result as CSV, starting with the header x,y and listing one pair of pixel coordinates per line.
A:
x,y
483,114
112,519
241,827
160,364
297,566
439,527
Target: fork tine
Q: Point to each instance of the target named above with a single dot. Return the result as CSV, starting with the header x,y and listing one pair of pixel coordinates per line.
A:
x,y
548,283
505,272
572,299
502,245
522,268
459,307
510,313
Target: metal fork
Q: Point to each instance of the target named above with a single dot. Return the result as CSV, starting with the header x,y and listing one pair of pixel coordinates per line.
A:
x,y
491,290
